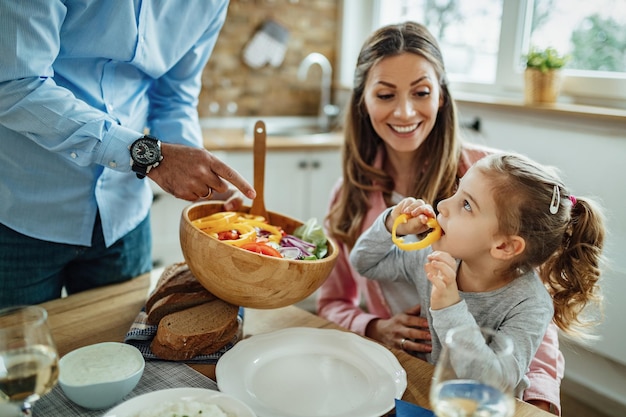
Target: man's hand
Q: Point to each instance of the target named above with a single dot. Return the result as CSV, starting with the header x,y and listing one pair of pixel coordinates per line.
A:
x,y
194,173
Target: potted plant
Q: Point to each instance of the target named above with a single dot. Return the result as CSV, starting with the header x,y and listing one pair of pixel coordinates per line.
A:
x,y
543,77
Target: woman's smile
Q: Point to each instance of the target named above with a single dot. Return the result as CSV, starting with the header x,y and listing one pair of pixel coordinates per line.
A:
x,y
404,129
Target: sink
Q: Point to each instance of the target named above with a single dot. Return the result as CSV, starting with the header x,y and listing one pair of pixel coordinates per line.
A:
x,y
293,131
285,126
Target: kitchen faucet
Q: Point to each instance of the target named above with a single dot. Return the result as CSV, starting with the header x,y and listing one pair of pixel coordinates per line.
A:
x,y
326,110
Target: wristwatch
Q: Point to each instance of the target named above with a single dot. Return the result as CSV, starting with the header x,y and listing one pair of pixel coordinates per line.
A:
x,y
145,154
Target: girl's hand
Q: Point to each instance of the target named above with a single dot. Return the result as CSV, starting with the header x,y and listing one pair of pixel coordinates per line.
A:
x,y
418,211
408,325
441,272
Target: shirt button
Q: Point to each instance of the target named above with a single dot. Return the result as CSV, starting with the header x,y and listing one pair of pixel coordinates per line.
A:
x,y
112,164
73,155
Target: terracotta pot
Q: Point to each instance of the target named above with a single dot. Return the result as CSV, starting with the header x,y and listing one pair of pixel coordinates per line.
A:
x,y
542,87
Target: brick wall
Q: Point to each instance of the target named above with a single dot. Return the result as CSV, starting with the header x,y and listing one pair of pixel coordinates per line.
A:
x,y
269,91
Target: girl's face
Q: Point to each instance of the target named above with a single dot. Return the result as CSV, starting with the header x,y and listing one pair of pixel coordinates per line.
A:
x,y
468,218
402,98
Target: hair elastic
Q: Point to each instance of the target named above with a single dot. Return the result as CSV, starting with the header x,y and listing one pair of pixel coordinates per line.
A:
x,y
556,200
573,200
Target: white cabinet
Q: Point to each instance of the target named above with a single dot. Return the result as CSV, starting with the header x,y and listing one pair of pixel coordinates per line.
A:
x,y
297,183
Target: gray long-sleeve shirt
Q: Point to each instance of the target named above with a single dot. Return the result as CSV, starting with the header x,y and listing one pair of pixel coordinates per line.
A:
x,y
521,309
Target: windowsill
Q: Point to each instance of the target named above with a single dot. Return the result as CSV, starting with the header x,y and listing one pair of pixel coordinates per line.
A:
x,y
596,113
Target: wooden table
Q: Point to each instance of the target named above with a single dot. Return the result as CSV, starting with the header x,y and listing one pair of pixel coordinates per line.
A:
x,y
106,314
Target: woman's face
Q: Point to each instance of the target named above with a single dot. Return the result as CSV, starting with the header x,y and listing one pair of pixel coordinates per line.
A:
x,y
402,98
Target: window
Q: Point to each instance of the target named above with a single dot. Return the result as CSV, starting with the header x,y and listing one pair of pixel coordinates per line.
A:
x,y
470,54
483,41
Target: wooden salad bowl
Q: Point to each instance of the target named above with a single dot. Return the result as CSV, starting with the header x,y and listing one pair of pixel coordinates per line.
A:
x,y
243,277
246,278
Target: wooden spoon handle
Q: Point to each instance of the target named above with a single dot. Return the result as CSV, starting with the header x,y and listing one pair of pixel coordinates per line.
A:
x,y
258,204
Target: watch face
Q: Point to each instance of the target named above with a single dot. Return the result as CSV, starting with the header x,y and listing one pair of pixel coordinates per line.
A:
x,y
145,151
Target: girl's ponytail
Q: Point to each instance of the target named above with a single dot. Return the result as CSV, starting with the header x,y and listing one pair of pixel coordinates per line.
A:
x,y
573,271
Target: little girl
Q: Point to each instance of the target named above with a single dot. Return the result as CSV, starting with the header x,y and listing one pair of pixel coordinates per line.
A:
x,y
517,250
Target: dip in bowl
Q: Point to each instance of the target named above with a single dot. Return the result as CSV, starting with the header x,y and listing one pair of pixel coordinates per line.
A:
x,y
100,375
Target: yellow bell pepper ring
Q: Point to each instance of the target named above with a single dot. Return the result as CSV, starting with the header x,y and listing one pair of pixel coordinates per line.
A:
x,y
275,234
215,220
243,217
430,238
245,224
247,233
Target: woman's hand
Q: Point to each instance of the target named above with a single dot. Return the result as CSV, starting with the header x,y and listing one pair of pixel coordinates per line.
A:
x,y
407,326
441,272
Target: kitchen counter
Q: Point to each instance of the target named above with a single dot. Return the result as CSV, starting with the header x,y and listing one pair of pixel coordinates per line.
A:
x,y
233,139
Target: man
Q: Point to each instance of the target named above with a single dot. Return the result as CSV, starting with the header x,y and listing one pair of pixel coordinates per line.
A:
x,y
80,81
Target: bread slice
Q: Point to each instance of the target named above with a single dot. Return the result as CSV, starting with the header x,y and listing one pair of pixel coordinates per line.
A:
x,y
200,329
176,302
176,278
217,343
172,303
170,271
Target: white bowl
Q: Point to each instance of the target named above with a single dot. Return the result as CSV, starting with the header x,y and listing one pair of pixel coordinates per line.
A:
x,y
153,400
99,376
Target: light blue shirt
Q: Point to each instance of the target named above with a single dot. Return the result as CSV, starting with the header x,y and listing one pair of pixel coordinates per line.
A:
x,y
80,80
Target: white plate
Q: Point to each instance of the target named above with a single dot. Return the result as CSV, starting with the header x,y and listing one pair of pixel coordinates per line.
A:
x,y
230,405
308,372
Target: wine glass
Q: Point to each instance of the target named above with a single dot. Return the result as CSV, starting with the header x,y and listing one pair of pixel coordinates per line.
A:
x,y
468,379
28,357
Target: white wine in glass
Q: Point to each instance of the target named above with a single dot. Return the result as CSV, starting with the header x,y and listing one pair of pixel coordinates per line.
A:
x,y
28,356
469,380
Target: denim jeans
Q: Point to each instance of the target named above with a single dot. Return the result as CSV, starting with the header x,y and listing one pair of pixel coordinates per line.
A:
x,y
33,271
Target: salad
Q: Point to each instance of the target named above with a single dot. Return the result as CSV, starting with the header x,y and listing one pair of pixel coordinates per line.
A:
x,y
253,233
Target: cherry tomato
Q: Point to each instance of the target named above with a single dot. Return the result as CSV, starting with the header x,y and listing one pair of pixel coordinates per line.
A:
x,y
228,235
261,248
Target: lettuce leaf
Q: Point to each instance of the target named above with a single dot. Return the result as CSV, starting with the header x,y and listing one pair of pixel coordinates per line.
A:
x,y
313,232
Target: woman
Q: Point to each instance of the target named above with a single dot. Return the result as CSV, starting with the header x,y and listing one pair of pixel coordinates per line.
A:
x,y
401,139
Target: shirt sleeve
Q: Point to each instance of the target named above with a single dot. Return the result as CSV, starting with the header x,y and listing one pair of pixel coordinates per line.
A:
x,y
34,105
339,297
546,371
174,96
376,257
523,313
